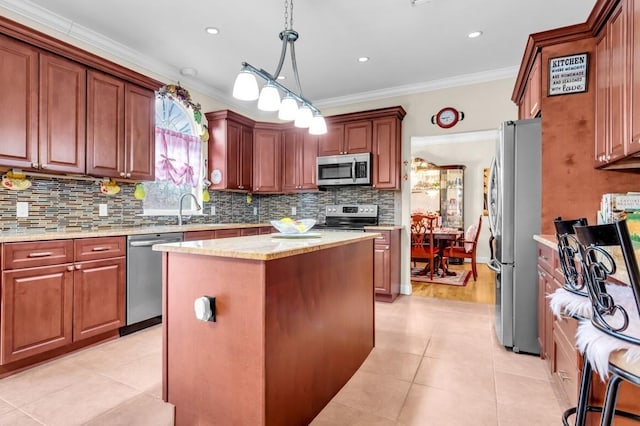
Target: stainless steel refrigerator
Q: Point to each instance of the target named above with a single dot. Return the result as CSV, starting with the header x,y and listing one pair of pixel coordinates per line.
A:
x,y
514,194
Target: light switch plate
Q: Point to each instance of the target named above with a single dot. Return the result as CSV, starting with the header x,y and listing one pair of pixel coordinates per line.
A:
x,y
293,211
255,211
102,210
22,209
213,210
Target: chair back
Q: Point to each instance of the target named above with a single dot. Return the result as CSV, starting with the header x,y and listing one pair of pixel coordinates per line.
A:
x,y
471,242
568,248
610,316
422,245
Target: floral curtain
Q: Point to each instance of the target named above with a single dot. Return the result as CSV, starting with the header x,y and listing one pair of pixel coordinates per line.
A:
x,y
178,157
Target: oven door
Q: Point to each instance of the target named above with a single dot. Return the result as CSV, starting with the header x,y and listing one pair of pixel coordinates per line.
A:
x,y
350,169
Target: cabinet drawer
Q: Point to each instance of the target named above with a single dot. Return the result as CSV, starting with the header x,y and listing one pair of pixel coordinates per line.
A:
x,y
566,372
248,231
545,257
267,230
199,235
37,253
227,233
99,248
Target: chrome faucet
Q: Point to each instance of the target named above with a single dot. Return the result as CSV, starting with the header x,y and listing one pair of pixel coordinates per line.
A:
x,y
182,197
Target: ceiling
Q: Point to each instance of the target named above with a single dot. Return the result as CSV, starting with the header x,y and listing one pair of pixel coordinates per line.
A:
x,y
412,48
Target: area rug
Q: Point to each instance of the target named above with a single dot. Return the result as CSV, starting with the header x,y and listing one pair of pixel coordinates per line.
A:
x,y
459,279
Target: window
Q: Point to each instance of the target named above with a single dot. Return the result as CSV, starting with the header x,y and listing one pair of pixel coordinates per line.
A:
x,y
179,156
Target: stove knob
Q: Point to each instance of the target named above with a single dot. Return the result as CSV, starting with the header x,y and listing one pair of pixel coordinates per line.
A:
x,y
361,209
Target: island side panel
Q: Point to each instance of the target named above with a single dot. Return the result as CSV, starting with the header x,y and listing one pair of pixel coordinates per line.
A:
x,y
319,328
215,370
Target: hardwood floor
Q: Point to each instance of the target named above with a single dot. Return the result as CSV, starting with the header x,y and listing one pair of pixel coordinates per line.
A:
x,y
480,291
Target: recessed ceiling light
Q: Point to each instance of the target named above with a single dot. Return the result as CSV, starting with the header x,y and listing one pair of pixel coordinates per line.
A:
x,y
474,34
419,2
212,30
363,59
190,72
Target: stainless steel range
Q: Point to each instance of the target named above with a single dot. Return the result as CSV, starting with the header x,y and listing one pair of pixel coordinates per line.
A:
x,y
350,216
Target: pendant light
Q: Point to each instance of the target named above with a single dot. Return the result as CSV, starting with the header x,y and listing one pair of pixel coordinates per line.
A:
x,y
246,86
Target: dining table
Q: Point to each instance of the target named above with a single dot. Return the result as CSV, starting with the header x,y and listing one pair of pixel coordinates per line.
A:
x,y
443,237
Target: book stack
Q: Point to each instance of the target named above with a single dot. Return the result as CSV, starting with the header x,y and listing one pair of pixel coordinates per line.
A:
x,y
618,206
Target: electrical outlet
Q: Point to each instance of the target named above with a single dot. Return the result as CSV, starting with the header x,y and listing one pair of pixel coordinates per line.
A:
x,y
213,210
293,211
22,209
255,211
102,210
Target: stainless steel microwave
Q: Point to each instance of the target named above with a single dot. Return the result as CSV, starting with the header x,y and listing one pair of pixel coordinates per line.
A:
x,y
348,169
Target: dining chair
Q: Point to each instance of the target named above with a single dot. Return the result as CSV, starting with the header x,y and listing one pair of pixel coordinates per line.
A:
x,y
610,338
423,248
466,248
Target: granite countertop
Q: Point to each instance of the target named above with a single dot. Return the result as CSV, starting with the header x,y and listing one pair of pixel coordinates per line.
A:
x,y
265,247
70,233
547,240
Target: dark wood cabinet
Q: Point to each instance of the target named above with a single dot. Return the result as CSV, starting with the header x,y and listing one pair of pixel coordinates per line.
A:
x,y
36,311
386,153
19,81
120,128
230,151
346,138
62,115
52,298
266,166
227,233
299,152
529,106
386,262
199,235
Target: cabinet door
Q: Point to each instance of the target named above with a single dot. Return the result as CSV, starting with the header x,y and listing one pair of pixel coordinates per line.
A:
x,y
198,235
542,307
332,142
267,154
533,89
602,101
357,137
227,233
381,274
386,154
139,133
105,128
62,117
234,159
249,231
634,113
98,297
308,153
36,311
291,160
18,104
245,159
617,35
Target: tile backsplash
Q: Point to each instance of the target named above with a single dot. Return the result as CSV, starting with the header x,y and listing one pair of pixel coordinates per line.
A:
x,y
58,204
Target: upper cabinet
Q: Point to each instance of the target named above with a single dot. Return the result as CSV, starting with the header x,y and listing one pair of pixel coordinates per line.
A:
x,y
346,138
387,152
71,111
530,105
230,151
120,128
267,152
299,152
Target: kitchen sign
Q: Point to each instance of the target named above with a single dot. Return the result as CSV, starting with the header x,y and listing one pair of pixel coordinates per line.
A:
x,y
568,74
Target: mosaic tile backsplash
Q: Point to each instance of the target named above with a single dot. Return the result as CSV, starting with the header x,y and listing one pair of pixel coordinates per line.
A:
x,y
58,204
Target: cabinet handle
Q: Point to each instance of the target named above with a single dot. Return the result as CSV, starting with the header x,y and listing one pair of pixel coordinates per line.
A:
x,y
128,174
544,258
40,254
78,267
70,268
35,166
123,174
533,108
100,249
563,375
43,166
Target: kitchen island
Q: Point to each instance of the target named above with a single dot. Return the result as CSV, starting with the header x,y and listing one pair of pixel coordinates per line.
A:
x,y
294,321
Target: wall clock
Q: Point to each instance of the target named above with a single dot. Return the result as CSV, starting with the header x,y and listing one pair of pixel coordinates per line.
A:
x,y
447,117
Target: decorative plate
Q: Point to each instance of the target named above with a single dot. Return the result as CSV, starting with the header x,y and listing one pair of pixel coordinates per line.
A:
x,y
15,184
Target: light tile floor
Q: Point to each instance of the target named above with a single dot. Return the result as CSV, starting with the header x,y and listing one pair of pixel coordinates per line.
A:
x,y
436,362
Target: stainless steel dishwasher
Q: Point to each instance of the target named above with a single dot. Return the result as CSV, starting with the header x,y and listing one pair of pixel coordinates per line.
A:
x,y
144,279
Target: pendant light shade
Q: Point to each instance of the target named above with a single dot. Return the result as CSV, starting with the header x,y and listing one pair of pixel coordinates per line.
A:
x,y
269,98
246,87
288,109
304,117
318,125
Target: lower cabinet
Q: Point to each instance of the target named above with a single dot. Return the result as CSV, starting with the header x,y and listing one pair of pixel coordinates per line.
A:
x,y
386,261
46,307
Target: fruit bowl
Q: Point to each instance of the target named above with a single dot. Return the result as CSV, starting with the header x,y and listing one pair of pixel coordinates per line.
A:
x,y
290,226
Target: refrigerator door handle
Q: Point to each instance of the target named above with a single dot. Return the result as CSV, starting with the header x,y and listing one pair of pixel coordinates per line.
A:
x,y
491,199
494,265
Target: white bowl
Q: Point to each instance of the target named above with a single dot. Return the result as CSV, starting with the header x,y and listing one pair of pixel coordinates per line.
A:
x,y
296,227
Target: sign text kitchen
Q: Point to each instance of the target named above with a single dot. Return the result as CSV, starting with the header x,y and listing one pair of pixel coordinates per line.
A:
x,y
568,74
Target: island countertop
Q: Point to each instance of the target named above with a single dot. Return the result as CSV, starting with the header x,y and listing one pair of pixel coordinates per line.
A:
x,y
265,247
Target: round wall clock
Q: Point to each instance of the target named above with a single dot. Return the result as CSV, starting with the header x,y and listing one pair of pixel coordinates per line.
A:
x,y
447,117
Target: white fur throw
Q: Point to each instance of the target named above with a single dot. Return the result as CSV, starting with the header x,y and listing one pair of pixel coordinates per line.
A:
x,y
597,346
563,302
